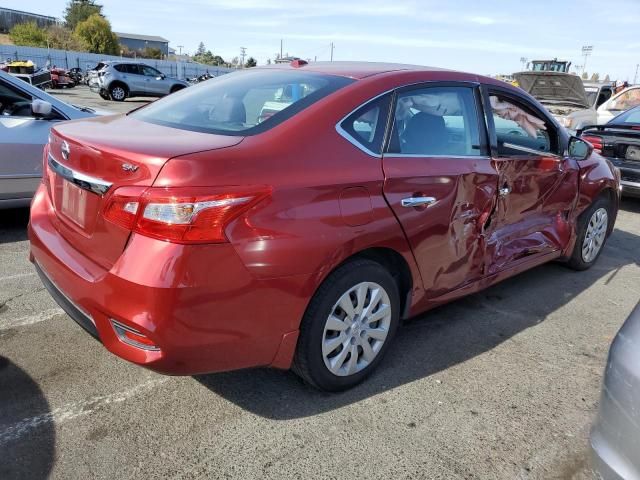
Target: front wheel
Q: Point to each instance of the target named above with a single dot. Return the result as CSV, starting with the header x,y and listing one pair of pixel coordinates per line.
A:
x,y
593,228
348,326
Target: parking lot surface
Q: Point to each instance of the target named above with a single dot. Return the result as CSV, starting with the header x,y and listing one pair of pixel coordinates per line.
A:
x,y
81,95
502,384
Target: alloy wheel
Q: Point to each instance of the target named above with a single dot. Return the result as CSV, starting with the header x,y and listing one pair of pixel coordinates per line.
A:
x,y
595,235
356,329
118,93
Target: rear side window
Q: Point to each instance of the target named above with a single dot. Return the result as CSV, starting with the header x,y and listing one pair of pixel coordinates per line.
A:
x,y
120,68
366,126
436,121
241,103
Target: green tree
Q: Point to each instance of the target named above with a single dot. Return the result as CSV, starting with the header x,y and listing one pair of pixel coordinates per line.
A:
x,y
29,35
585,76
96,34
151,52
251,62
201,50
64,39
78,11
595,77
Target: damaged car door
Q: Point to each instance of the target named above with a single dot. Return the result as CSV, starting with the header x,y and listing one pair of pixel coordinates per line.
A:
x,y
440,182
537,184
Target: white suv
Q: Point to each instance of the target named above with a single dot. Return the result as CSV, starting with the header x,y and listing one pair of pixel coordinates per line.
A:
x,y
120,80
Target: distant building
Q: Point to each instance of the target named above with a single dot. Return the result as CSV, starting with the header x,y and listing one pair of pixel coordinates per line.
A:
x,y
9,18
140,42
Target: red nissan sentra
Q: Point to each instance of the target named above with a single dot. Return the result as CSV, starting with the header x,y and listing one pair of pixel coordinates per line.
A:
x,y
292,216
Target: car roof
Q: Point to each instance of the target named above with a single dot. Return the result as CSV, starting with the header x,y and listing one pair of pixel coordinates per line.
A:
x,y
356,70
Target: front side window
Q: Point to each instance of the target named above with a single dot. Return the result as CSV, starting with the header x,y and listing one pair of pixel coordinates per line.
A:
x,y
149,71
519,130
436,121
241,103
14,102
367,125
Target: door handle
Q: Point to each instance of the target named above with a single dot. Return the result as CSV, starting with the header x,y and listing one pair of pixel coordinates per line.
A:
x,y
504,191
417,201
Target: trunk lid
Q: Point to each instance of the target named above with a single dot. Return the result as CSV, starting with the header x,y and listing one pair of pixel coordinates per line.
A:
x,y
554,87
90,159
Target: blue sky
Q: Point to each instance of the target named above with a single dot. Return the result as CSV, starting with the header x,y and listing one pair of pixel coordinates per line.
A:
x,y
488,36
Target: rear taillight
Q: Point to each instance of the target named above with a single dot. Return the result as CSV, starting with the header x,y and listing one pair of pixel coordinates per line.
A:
x,y
181,215
595,141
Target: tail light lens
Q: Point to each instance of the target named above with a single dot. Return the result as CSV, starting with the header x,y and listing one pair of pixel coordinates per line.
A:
x,y
595,141
181,215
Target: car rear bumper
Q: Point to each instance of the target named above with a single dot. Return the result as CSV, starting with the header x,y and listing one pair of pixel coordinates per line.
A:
x,y
198,305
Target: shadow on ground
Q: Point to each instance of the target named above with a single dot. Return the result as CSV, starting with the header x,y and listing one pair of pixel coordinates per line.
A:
x,y
13,225
27,434
438,339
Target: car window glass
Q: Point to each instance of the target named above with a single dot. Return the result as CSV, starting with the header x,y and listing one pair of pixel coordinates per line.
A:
x,y
630,117
367,124
626,100
436,121
120,68
151,72
14,102
244,102
133,69
517,126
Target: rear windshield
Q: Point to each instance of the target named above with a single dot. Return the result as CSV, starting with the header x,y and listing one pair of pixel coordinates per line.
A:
x,y
241,103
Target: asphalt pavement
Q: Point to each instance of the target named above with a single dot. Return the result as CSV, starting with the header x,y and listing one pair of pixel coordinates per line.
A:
x,y
502,384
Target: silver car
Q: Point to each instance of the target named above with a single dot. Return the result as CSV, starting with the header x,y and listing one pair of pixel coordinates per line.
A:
x,y
615,438
26,114
117,80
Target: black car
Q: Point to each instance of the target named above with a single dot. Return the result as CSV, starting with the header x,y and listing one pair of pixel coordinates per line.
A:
x,y
619,141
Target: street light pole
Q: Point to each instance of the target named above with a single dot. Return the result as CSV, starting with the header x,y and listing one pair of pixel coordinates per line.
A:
x,y
586,52
635,77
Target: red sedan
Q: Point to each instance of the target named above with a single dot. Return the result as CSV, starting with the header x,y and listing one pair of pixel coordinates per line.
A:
x,y
293,216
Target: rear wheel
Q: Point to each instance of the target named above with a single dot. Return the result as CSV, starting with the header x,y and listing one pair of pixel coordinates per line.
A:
x,y
348,326
118,93
593,227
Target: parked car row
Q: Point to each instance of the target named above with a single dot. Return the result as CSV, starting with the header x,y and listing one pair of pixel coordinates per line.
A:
x,y
119,80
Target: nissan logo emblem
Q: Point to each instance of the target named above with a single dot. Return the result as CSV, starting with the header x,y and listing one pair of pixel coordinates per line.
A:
x,y
66,150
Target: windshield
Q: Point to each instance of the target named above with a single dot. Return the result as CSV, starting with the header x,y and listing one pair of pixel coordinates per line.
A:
x,y
241,103
631,117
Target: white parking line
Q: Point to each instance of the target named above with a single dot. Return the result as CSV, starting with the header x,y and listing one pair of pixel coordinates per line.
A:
x,y
74,410
20,275
30,319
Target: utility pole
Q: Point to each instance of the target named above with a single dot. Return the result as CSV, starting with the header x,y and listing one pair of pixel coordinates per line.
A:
x,y
332,46
180,47
586,52
635,77
280,48
243,52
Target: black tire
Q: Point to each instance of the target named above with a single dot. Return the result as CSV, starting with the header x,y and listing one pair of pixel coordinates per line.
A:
x,y
577,260
118,92
175,88
309,362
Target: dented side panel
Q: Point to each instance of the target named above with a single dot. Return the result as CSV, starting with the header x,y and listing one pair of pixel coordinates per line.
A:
x,y
533,216
447,237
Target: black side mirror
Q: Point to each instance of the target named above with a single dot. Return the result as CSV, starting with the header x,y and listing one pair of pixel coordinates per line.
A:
x,y
579,149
